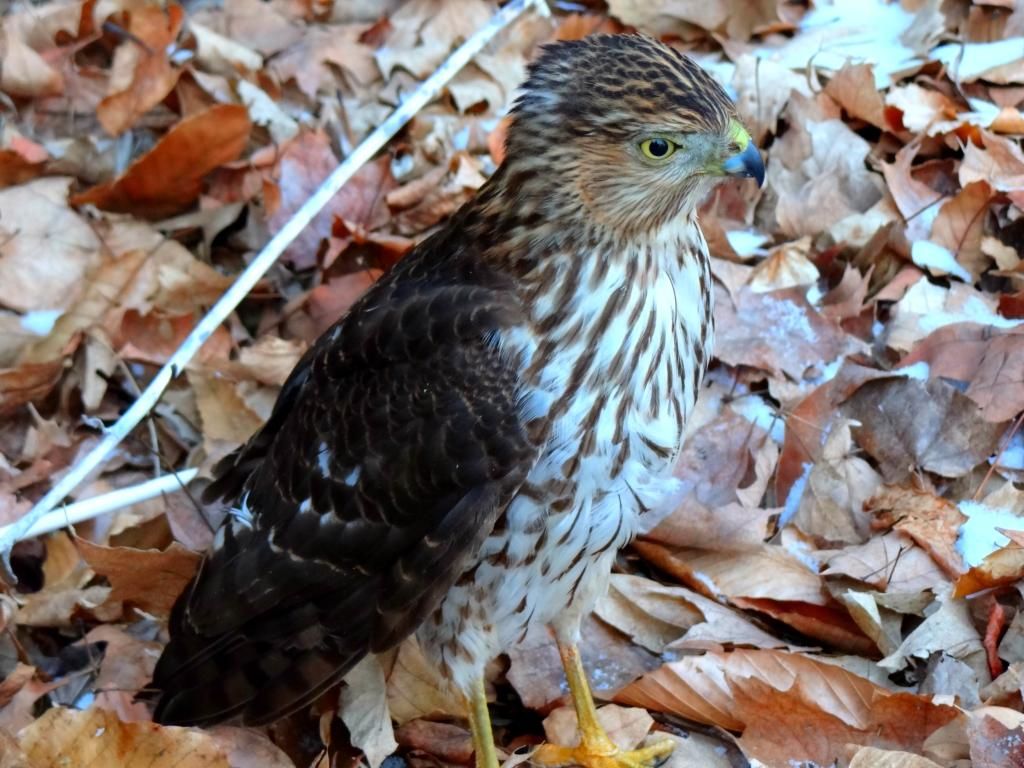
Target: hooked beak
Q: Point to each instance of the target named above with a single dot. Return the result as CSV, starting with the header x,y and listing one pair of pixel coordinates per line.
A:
x,y
747,164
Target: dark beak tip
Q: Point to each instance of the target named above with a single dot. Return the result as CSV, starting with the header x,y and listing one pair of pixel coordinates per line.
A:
x,y
748,164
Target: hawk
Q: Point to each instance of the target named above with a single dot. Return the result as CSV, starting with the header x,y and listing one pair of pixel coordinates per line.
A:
x,y
464,452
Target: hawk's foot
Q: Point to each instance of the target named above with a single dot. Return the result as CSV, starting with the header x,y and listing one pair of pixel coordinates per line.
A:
x,y
600,752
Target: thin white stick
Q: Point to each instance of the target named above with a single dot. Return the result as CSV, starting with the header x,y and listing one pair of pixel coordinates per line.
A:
x,y
428,90
106,502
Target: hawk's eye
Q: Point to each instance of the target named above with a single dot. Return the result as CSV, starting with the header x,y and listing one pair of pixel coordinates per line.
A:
x,y
657,149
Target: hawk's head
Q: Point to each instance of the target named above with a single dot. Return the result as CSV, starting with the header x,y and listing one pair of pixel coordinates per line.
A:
x,y
625,131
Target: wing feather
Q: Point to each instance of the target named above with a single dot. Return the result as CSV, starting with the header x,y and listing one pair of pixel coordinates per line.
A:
x,y
393,448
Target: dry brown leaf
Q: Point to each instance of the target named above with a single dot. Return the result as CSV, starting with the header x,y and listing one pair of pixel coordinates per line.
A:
x,y
363,706
948,629
732,689
1004,566
95,737
786,266
907,425
853,88
996,737
24,71
148,579
126,668
27,383
870,757
920,108
1000,164
225,412
305,162
778,332
142,74
821,177
415,689
931,521
447,741
535,669
890,563
739,574
169,177
990,360
737,20
658,616
308,60
35,218
831,508
960,225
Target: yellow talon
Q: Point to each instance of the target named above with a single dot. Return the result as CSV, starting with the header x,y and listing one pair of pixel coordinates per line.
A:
x,y
595,749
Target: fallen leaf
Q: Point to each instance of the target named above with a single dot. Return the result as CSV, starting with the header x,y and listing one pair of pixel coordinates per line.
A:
x,y
853,88
948,629
778,332
363,706
95,737
148,579
1004,566
931,521
24,71
906,425
890,563
169,177
989,360
305,162
40,221
996,737
142,73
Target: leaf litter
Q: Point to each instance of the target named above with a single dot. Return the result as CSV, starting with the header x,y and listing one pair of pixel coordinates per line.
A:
x,y
842,583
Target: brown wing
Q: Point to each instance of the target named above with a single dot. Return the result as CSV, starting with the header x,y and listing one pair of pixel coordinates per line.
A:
x,y
392,450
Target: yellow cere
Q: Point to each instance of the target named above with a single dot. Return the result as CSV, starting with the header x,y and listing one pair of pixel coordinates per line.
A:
x,y
739,134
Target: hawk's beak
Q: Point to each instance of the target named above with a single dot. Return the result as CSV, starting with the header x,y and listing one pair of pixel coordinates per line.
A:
x,y
747,164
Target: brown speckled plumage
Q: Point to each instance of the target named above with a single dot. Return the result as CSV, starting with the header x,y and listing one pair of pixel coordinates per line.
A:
x,y
466,449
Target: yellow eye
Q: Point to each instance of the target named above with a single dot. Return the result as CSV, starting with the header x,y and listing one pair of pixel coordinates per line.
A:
x,y
657,149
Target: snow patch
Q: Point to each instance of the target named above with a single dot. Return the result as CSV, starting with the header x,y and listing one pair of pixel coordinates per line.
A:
x,y
40,321
755,410
918,371
747,242
796,493
939,259
978,536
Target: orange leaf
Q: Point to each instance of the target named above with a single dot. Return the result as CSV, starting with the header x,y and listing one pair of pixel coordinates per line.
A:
x,y
170,176
141,62
147,578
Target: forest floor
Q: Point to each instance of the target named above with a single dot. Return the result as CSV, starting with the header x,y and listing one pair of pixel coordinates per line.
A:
x,y
843,584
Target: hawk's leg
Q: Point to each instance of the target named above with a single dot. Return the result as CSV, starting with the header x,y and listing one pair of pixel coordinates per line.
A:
x,y
480,727
595,749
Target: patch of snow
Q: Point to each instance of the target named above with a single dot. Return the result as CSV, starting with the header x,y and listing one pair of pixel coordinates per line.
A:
x,y
755,410
802,551
814,294
1012,456
918,371
747,242
796,493
978,536
941,260
40,321
967,61
861,31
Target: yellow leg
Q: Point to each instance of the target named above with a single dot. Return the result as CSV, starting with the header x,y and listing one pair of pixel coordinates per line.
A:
x,y
480,727
595,749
